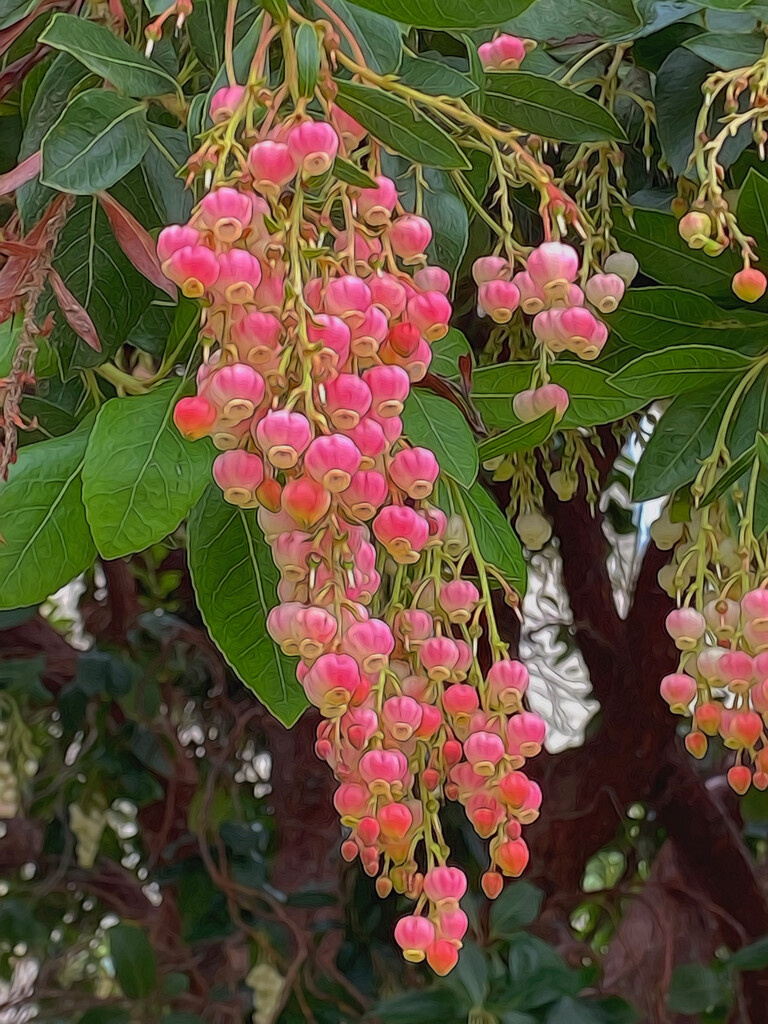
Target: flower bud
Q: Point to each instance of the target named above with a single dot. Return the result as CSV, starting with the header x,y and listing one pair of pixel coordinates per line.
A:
x,y
174,237
507,681
402,531
605,291
348,297
402,717
382,769
272,166
409,237
512,857
533,530
433,279
389,387
678,690
414,470
330,683
442,956
332,460
749,284
624,264
351,800
530,405
414,935
194,417
431,313
459,599
552,265
491,268
348,399
283,436
236,389
686,626
238,473
439,655
739,778
498,299
257,337
225,102
239,277
696,229
445,886
315,144
525,734
226,212
375,205
194,268
484,750
306,501
505,53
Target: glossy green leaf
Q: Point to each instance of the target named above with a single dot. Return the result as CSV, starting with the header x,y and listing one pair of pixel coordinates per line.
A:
x,y
399,127
102,278
434,78
654,318
664,257
46,539
102,52
307,58
593,399
731,476
753,957
166,154
760,523
435,423
140,477
516,908
345,170
533,103
498,543
447,352
678,101
558,20
447,14
671,371
695,988
12,11
518,438
682,438
376,32
235,582
752,212
96,141
726,50
133,959
471,972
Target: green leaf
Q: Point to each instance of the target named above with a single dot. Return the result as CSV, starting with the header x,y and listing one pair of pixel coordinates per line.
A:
x,y
593,399
435,423
516,907
380,38
434,78
664,257
471,973
140,477
447,14
753,957
345,170
105,282
752,211
682,438
399,127
104,1015
307,58
45,537
498,542
235,583
558,20
51,97
761,495
518,438
103,53
533,103
12,11
570,1010
447,352
166,154
133,959
732,475
96,141
654,318
679,368
694,989
678,101
726,50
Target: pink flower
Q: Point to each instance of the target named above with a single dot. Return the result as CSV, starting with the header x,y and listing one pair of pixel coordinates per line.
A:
x,y
409,236
226,212
375,205
402,531
445,885
332,460
283,436
225,102
306,501
315,144
272,166
505,53
239,473
414,470
414,935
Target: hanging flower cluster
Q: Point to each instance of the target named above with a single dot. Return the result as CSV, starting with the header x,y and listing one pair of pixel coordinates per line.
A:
x,y
320,310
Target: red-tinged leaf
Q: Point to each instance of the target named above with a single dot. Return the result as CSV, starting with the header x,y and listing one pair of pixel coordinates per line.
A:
x,y
14,74
25,171
11,248
76,315
9,35
136,243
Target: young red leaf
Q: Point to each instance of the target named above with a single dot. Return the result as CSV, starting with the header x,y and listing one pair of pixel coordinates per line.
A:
x,y
76,315
20,174
136,243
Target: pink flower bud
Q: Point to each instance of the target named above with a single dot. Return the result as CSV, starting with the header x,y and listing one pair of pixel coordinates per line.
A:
x,y
402,531
552,265
525,734
505,53
512,857
194,268
484,750
272,166
382,769
530,405
708,661
280,626
678,690
433,279
686,626
402,717
444,885
395,820
740,778
351,800
314,629
368,831
740,729
414,470
460,700
605,291
306,501
315,144
238,473
754,605
491,268
442,956
485,813
409,237
414,935
330,683
532,298
348,128
459,599
290,551
370,440
360,724
415,365
226,212
368,335
283,436
239,276
412,625
236,389
375,205
348,297
174,237
366,493
194,417
749,284
347,400
270,294
737,671
225,102
574,329
333,334
439,655
257,337
370,643
388,294
431,313
498,300
507,681
389,387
